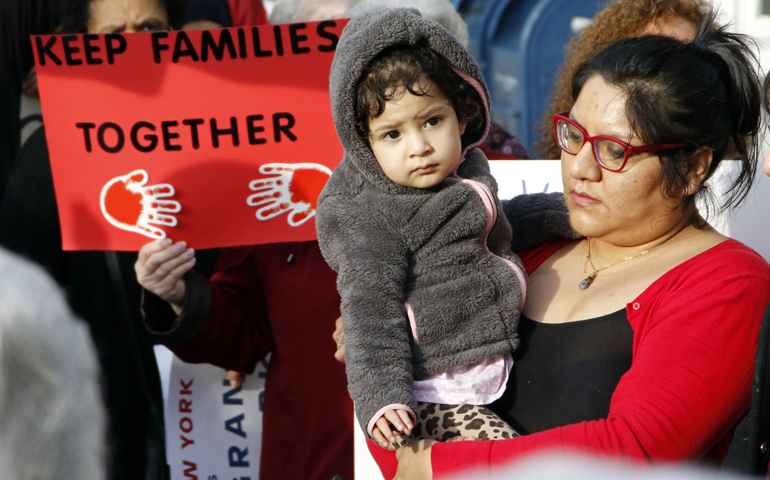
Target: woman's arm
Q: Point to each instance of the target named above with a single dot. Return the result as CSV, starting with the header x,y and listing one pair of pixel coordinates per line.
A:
x,y
690,380
224,321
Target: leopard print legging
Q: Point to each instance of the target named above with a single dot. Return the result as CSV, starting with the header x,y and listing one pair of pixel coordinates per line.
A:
x,y
443,422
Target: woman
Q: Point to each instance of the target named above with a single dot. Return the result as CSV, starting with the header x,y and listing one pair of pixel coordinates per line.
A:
x,y
276,299
692,298
620,19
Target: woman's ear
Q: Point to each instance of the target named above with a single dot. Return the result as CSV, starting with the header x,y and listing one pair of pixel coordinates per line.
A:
x,y
698,171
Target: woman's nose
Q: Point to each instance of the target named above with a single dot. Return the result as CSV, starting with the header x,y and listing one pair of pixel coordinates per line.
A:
x,y
583,165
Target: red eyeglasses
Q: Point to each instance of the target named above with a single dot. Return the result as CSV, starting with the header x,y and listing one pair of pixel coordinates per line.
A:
x,y
610,153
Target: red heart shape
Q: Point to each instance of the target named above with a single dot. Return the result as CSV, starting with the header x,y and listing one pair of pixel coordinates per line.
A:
x,y
306,185
122,204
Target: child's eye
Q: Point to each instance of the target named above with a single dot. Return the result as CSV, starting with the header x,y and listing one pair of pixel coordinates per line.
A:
x,y
433,121
391,135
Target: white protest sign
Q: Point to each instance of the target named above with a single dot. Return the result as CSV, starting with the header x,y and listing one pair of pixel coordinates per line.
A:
x,y
213,431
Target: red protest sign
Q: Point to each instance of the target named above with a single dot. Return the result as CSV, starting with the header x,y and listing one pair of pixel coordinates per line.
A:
x,y
219,138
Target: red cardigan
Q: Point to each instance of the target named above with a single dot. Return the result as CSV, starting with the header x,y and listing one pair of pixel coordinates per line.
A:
x,y
281,298
695,336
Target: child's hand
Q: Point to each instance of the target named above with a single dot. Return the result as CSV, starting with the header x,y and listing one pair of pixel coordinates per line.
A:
x,y
339,339
399,419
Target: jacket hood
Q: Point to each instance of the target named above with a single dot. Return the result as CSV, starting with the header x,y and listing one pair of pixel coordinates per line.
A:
x,y
363,39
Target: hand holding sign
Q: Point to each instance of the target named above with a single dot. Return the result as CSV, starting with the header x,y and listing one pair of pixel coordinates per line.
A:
x,y
160,269
130,205
292,188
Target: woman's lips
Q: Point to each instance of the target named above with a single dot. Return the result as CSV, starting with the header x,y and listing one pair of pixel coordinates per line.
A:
x,y
583,200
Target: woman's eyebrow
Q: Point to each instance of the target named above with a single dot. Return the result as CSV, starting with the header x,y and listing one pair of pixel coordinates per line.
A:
x,y
625,136
113,27
151,20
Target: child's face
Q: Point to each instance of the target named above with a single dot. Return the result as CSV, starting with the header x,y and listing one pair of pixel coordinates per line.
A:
x,y
416,140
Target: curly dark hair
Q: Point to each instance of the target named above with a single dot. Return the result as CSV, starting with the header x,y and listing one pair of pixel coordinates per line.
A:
x,y
766,94
406,68
619,19
76,13
705,93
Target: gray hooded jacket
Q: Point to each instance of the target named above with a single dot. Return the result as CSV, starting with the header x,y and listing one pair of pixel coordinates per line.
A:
x,y
392,245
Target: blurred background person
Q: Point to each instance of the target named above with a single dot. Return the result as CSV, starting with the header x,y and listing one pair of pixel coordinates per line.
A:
x,y
619,19
247,12
278,299
52,421
18,20
209,14
556,465
295,11
440,11
100,286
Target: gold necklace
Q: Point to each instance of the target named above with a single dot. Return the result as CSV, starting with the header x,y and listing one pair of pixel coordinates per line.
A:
x,y
590,279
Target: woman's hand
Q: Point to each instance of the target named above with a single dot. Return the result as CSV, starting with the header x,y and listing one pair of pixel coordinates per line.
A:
x,y
236,378
160,268
339,339
414,461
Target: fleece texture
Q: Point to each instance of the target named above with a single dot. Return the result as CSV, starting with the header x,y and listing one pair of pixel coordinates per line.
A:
x,y
391,244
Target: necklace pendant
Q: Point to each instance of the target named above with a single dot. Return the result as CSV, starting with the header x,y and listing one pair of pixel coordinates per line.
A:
x,y
587,281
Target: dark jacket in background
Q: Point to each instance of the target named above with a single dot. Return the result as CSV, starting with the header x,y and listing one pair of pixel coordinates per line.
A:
x,y
18,20
101,288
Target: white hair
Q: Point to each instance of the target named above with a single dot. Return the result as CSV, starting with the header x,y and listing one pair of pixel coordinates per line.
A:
x,y
558,465
52,420
294,11
440,11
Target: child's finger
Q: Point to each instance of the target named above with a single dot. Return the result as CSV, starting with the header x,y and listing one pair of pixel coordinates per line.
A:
x,y
395,419
379,438
406,419
384,425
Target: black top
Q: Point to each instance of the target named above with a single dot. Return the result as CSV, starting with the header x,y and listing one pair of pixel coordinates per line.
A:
x,y
565,373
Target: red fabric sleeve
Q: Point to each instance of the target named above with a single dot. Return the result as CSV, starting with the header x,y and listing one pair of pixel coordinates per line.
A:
x,y
695,334
245,13
236,334
534,257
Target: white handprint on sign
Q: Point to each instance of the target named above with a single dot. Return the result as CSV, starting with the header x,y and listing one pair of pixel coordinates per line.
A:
x,y
130,205
292,187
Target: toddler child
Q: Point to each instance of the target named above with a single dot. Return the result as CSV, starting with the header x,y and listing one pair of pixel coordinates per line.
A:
x,y
431,292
